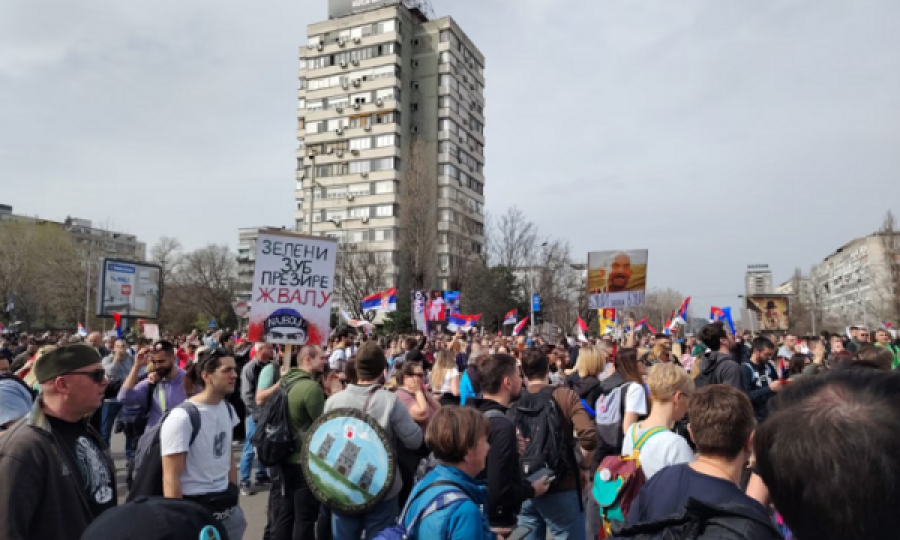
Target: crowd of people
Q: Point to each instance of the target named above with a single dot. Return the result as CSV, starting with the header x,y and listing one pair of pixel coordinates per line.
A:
x,y
723,435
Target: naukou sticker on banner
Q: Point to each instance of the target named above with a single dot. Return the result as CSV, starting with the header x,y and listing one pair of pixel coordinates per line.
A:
x,y
292,288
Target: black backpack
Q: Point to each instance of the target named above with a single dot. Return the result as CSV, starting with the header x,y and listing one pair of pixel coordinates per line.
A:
x,y
274,439
539,419
148,473
703,521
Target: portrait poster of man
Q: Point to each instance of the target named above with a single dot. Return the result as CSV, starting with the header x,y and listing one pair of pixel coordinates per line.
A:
x,y
617,278
771,312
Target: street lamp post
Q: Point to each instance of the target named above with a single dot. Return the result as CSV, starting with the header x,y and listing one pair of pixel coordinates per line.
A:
x,y
312,190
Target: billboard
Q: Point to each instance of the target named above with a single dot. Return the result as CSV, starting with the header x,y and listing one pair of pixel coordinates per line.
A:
x,y
771,311
342,8
451,299
292,286
617,279
128,287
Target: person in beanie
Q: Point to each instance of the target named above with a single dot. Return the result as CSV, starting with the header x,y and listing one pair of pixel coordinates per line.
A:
x,y
387,409
156,518
57,473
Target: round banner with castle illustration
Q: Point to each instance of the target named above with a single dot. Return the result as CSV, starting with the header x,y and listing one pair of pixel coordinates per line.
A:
x,y
348,461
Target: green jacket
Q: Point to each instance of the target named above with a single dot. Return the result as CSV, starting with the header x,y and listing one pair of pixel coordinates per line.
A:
x,y
306,401
894,351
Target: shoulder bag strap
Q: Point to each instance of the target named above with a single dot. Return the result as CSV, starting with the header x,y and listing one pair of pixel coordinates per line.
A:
x,y
375,389
646,436
150,389
194,415
421,514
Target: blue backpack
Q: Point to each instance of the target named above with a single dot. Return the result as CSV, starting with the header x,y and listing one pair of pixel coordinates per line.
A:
x,y
442,500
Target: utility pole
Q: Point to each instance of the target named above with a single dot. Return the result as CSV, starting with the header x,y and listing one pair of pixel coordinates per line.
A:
x,y
87,289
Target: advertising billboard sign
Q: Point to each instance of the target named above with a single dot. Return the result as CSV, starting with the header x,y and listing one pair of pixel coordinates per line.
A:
x,y
130,288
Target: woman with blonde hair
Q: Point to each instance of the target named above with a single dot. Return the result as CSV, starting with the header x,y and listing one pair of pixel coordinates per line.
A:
x,y
585,376
444,380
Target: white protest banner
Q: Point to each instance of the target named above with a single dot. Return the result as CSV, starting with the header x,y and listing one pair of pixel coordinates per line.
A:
x,y
151,331
292,287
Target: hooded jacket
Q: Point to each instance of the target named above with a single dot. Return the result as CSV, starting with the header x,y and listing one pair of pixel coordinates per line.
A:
x,y
463,520
40,497
755,380
507,488
588,388
718,368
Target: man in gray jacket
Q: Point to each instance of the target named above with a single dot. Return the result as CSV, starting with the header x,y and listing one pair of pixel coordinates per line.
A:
x,y
249,379
391,414
117,367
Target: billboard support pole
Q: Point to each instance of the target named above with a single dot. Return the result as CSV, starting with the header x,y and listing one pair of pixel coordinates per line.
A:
x,y
87,293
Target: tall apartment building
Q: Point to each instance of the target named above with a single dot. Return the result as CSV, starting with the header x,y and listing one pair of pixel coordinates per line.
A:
x,y
854,284
758,279
385,88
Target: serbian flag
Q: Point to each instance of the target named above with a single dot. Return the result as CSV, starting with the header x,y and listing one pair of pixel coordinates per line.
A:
x,y
2,329
721,314
582,325
462,322
887,324
81,331
642,323
607,320
682,311
117,317
511,317
518,328
381,301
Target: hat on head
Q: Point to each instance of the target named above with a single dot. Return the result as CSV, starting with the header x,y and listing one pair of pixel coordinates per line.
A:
x,y
156,518
370,362
65,359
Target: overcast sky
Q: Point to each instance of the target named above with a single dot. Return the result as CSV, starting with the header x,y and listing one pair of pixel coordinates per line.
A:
x,y
715,133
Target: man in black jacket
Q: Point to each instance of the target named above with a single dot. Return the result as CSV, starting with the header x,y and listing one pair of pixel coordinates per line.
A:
x,y
717,365
759,378
507,488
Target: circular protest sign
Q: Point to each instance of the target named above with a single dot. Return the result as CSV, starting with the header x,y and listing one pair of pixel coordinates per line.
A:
x,y
347,461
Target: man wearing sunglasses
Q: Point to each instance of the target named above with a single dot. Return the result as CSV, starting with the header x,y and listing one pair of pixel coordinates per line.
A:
x,y
56,470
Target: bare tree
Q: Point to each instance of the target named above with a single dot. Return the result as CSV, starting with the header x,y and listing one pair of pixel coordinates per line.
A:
x,y
659,304
361,271
418,215
512,240
167,254
207,279
42,270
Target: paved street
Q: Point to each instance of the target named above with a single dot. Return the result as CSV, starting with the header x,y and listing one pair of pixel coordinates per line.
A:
x,y
254,506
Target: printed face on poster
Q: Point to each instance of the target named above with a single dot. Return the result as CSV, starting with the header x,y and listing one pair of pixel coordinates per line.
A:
x,y
617,279
771,312
292,288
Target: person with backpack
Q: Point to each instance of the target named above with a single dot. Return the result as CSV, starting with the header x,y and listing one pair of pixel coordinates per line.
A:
x,y
164,387
293,507
704,496
717,366
547,416
507,487
249,380
670,391
447,504
197,464
759,378
57,475
388,411
585,376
